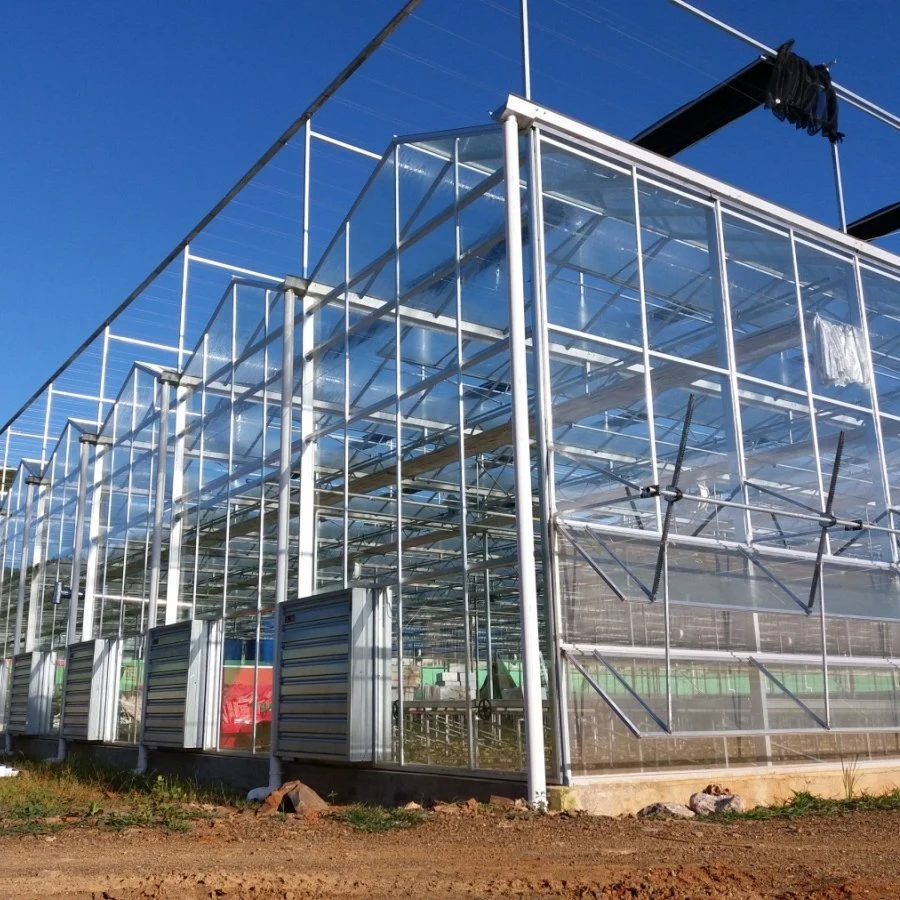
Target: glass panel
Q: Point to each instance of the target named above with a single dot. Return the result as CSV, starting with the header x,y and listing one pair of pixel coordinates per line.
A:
x,y
764,314
708,465
781,465
785,685
863,697
828,292
858,494
684,299
882,295
591,247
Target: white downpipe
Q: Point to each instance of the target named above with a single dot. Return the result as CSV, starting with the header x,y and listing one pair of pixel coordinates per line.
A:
x,y
531,668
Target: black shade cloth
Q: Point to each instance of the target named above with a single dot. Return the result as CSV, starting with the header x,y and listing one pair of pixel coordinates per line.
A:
x,y
802,94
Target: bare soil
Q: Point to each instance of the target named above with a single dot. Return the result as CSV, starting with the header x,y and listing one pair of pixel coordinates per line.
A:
x,y
463,853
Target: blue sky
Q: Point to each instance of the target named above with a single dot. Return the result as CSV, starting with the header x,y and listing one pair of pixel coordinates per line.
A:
x,y
124,122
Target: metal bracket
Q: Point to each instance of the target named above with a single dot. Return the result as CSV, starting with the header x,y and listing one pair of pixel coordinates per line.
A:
x,y
604,696
640,700
783,687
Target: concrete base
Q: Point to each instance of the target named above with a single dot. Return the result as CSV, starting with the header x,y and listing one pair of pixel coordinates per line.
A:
x,y
623,794
332,781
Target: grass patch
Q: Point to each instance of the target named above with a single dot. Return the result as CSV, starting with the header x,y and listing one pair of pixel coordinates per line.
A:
x,y
49,797
806,804
377,818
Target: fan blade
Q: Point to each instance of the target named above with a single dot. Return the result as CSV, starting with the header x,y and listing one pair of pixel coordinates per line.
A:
x,y
670,501
823,537
682,445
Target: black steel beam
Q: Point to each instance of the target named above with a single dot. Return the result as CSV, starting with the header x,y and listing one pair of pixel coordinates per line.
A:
x,y
730,100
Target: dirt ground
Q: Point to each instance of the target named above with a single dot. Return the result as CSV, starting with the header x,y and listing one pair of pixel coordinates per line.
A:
x,y
236,854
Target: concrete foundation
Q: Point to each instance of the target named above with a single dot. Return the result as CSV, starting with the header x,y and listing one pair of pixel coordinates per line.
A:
x,y
623,794
607,795
335,782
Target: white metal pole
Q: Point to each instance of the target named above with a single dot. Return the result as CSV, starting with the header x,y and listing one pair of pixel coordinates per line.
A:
x,y
30,483
545,454
304,251
471,693
159,500
839,186
93,554
86,441
182,309
284,510
84,453
176,525
531,668
166,379
526,52
306,555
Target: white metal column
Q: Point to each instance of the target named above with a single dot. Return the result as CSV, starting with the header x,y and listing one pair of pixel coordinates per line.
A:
x,y
86,441
37,556
176,526
545,458
531,667
306,514
293,286
31,482
93,554
166,379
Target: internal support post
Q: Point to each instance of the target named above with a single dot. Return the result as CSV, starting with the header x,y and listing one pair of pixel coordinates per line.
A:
x,y
166,380
86,442
292,287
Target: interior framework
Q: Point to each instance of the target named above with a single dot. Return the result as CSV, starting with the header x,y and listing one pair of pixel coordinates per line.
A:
x,y
711,479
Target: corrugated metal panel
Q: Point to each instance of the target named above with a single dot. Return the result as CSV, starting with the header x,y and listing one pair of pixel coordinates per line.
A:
x,y
183,683
172,685
313,700
31,693
326,683
90,695
4,692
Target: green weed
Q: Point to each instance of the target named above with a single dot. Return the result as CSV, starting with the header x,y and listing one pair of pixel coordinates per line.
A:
x,y
377,818
49,797
805,804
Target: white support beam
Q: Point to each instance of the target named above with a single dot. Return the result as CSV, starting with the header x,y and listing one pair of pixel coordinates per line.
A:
x,y
531,650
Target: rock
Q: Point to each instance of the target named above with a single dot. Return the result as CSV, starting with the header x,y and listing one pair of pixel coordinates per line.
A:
x,y
472,805
412,806
502,802
705,804
665,811
303,798
447,809
292,796
702,803
716,790
732,804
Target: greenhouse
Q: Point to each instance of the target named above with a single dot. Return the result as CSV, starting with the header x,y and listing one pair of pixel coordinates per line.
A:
x,y
566,458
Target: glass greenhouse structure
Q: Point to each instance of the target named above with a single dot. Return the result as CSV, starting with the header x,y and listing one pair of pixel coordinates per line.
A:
x,y
614,446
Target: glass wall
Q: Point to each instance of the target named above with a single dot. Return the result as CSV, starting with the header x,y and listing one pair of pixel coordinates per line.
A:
x,y
715,429
722,457
410,415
